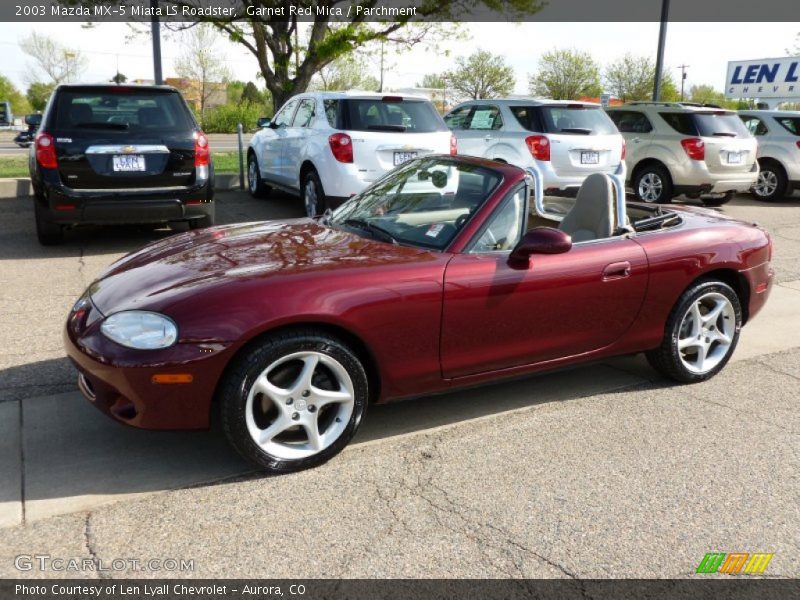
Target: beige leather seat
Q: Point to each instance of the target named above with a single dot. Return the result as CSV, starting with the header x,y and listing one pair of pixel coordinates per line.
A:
x,y
592,217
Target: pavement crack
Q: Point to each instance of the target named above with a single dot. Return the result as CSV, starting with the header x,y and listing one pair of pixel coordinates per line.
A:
x,y
89,542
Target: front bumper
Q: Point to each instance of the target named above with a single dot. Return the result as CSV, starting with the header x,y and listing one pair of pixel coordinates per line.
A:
x,y
119,381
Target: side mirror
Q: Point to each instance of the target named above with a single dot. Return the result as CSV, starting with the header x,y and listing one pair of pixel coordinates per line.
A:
x,y
263,122
33,119
539,240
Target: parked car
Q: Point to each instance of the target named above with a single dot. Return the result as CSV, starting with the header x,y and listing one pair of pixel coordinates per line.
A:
x,y
566,141
420,284
328,146
778,135
673,148
25,138
119,154
6,114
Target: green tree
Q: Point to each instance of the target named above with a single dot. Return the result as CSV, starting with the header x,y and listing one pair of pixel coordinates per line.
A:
x,y
566,74
434,81
38,94
632,77
481,75
235,89
251,94
119,78
53,60
10,93
348,72
201,62
288,67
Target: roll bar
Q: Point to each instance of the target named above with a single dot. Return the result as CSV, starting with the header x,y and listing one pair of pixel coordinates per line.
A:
x,y
618,178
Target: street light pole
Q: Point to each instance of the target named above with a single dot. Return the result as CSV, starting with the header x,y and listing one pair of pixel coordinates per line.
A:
x,y
662,39
155,29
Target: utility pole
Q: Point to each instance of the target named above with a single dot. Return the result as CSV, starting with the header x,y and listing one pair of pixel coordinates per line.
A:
x,y
662,39
683,77
381,88
155,28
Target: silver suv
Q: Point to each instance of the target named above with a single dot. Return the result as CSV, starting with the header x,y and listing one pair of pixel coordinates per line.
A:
x,y
566,141
673,148
778,135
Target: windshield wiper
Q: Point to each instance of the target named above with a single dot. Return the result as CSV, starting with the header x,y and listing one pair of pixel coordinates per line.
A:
x,y
724,134
386,128
375,230
581,130
119,126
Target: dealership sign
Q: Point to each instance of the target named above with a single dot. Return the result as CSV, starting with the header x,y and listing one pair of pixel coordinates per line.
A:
x,y
765,78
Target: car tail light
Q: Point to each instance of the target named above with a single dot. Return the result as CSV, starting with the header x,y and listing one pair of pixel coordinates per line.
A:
x,y
695,148
202,155
46,151
539,146
624,150
453,145
342,147
798,145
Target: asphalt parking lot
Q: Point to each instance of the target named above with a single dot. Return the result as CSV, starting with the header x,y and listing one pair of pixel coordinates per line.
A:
x,y
605,470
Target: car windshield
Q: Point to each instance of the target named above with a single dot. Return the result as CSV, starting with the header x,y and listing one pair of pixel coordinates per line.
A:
x,y
124,110
424,203
387,114
568,119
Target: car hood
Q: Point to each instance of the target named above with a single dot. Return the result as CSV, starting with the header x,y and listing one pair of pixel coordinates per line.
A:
x,y
196,262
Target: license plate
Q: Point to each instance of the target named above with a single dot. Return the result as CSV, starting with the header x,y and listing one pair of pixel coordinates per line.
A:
x,y
734,158
590,158
128,162
401,157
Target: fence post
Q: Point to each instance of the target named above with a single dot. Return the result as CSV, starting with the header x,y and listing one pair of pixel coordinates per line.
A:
x,y
241,155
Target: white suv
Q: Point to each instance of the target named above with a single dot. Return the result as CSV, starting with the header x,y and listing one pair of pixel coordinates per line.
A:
x,y
673,148
778,135
566,141
328,146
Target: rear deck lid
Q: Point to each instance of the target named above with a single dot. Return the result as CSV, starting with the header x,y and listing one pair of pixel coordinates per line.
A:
x,y
113,137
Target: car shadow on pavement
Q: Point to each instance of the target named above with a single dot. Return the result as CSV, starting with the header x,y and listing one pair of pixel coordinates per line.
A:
x,y
76,458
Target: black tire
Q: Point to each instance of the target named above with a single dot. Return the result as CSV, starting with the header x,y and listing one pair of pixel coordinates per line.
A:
x,y
48,234
657,173
666,359
255,185
315,205
207,221
247,367
772,182
712,202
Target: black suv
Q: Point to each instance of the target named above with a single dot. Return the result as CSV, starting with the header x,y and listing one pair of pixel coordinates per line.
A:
x,y
119,154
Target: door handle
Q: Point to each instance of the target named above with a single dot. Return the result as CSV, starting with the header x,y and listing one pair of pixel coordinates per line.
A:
x,y
636,140
617,270
488,138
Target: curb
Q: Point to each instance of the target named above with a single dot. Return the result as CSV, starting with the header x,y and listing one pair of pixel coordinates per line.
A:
x,y
19,187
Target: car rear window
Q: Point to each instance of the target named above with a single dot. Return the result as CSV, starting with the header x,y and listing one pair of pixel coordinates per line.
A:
x,y
123,111
790,124
567,119
710,124
387,114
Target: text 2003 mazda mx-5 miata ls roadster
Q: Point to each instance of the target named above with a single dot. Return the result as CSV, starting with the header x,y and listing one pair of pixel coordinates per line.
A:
x,y
446,272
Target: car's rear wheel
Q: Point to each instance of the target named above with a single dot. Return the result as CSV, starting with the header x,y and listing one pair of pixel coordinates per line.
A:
x,y
653,184
294,400
49,234
313,194
255,185
772,182
701,333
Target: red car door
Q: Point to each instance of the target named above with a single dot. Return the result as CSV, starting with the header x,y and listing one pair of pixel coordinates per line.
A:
x,y
497,317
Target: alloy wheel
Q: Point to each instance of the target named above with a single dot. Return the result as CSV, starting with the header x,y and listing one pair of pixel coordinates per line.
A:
x,y
650,187
310,197
767,184
706,333
252,175
299,405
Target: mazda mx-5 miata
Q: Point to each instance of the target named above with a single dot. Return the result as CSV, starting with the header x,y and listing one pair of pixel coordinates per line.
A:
x,y
447,272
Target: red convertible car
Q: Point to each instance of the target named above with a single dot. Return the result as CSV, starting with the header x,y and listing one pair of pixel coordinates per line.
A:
x,y
447,272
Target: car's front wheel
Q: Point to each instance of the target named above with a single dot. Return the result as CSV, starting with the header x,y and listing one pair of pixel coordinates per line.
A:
x,y
701,333
48,234
313,194
652,184
772,183
255,185
294,400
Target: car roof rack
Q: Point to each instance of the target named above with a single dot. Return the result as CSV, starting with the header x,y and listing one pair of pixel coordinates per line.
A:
x,y
654,103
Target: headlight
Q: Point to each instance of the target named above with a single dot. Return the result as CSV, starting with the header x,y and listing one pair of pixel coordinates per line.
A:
x,y
140,330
